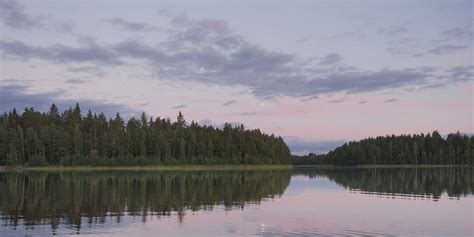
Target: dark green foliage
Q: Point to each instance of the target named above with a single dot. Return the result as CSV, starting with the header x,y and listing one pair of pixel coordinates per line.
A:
x,y
455,149
35,138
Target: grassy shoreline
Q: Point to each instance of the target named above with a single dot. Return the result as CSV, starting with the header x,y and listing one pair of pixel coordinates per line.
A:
x,y
208,167
148,168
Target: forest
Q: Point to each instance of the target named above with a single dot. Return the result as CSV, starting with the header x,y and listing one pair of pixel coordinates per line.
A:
x,y
34,138
454,149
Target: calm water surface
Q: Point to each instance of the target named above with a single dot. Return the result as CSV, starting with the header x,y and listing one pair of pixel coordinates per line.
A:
x,y
299,202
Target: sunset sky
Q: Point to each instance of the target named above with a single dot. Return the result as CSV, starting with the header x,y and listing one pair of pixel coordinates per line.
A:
x,y
317,73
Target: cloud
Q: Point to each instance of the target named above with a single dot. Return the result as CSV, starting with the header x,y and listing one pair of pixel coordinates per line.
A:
x,y
449,41
130,26
315,97
331,59
404,46
358,34
463,34
89,52
61,27
300,146
302,40
12,14
390,100
357,82
75,81
179,106
198,54
462,73
445,49
210,52
211,25
392,31
14,96
230,102
97,71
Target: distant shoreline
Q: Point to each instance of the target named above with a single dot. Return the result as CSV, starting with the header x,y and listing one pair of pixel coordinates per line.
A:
x,y
209,167
148,168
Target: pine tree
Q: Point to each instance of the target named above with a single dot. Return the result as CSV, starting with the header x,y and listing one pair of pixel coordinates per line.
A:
x,y
180,120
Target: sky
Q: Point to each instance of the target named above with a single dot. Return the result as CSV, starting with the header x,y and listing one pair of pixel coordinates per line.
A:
x,y
317,73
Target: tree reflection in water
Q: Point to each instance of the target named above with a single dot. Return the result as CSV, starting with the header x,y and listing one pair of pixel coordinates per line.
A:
x,y
68,197
429,182
75,199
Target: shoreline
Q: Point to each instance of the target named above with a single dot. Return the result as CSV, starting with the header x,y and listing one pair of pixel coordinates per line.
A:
x,y
148,168
239,167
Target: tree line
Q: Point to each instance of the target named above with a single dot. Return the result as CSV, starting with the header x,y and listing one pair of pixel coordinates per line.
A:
x,y
52,138
454,149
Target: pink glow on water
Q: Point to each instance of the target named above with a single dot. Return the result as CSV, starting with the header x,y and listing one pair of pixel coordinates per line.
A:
x,y
320,211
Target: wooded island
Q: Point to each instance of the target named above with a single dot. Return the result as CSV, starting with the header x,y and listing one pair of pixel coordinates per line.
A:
x,y
423,149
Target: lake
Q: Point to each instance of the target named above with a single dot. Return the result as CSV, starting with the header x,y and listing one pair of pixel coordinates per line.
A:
x,y
300,202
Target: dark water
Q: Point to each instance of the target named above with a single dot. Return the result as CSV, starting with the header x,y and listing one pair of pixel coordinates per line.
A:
x,y
299,202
